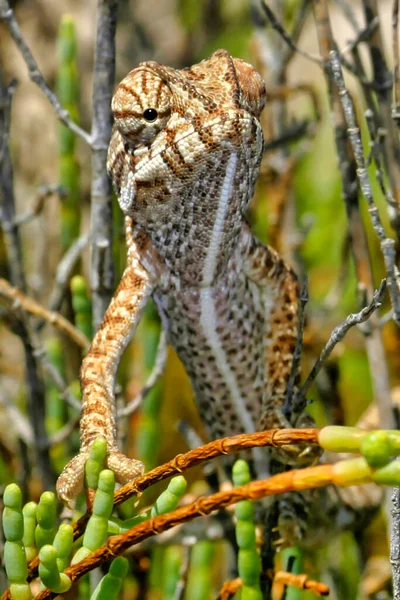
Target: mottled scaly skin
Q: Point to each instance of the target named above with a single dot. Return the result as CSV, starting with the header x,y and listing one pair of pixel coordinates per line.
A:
x,y
184,158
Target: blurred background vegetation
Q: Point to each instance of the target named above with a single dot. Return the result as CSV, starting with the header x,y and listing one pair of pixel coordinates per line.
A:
x,y
298,208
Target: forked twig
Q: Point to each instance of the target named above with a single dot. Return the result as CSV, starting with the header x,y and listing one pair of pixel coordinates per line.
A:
x,y
336,336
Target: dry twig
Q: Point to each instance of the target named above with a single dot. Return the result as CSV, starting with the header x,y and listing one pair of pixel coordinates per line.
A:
x,y
356,228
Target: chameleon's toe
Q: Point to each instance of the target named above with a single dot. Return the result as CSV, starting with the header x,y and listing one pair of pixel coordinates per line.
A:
x,y
70,483
125,469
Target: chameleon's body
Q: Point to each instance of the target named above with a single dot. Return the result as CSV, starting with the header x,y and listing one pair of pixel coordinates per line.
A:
x,y
184,158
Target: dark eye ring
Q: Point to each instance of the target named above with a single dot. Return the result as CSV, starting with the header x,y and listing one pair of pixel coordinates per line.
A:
x,y
150,114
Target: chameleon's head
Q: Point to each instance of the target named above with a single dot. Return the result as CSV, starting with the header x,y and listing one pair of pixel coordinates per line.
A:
x,y
168,122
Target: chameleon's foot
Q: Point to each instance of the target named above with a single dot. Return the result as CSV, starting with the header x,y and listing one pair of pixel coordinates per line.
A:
x,y
125,469
71,481
294,455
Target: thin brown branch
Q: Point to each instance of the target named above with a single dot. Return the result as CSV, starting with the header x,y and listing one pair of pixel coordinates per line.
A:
x,y
8,17
32,307
301,479
301,582
237,443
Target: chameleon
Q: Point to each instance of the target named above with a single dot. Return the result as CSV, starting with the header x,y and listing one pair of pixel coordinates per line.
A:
x,y
184,158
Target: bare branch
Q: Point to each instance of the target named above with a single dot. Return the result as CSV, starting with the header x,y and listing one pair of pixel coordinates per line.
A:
x,y
7,15
34,383
29,305
156,373
382,83
396,67
7,206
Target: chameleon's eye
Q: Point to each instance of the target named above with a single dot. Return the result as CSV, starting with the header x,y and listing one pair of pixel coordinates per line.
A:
x,y
150,114
142,106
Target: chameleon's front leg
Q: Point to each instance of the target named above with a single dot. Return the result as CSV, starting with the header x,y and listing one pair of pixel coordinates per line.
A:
x,y
99,370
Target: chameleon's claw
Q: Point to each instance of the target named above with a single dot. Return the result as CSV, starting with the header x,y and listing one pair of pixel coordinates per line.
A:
x,y
71,481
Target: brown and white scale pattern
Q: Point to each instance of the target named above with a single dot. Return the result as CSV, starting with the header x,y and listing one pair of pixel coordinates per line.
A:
x,y
184,158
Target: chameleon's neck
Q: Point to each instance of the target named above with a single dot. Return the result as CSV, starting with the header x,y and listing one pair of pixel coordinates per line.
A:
x,y
196,235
